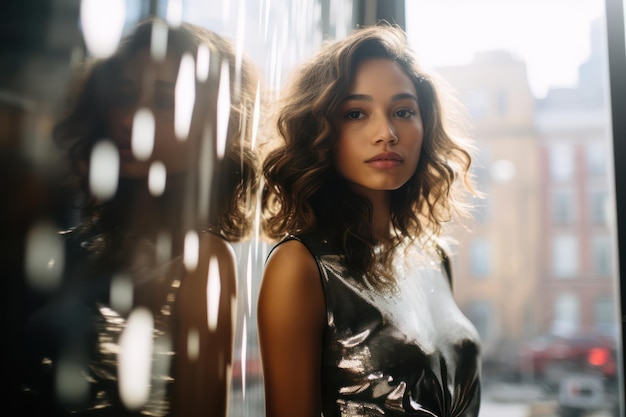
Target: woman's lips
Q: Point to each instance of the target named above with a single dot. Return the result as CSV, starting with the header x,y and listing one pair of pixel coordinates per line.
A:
x,y
385,160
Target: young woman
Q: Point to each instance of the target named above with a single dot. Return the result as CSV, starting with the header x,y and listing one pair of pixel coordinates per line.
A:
x,y
356,314
158,250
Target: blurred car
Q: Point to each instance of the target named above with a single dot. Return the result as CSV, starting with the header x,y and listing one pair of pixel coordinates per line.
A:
x,y
548,359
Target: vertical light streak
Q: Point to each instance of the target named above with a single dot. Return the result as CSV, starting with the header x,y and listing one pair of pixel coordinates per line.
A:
x,y
44,258
184,97
135,358
239,46
213,290
249,280
142,135
273,61
244,354
223,109
104,169
256,116
191,251
102,23
203,63
267,19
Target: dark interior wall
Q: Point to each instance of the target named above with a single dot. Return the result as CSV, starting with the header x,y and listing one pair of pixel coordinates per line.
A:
x,y
617,79
367,12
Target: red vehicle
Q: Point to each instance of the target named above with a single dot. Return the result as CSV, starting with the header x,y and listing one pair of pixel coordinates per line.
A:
x,y
549,359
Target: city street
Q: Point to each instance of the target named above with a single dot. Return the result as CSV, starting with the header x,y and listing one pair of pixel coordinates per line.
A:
x,y
499,400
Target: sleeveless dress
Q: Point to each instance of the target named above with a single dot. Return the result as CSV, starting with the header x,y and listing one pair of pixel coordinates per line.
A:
x,y
408,352
79,324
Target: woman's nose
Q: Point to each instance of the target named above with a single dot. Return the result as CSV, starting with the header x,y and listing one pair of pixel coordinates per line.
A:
x,y
385,131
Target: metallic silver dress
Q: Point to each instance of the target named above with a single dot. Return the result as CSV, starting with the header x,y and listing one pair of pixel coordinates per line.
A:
x,y
409,352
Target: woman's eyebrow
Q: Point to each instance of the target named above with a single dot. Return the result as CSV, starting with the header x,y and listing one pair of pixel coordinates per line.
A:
x,y
358,97
404,96
365,97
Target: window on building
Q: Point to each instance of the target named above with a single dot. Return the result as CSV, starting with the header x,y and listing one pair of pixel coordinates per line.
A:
x,y
480,258
561,162
598,207
597,158
565,256
605,315
566,314
601,256
563,207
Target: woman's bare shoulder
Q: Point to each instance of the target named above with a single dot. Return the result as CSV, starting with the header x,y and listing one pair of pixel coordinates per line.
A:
x,y
291,261
291,284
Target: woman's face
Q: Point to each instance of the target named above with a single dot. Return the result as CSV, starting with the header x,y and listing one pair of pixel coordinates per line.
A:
x,y
380,129
146,85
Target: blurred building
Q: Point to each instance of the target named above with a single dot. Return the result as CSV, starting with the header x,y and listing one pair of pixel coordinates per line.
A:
x,y
538,258
578,275
496,275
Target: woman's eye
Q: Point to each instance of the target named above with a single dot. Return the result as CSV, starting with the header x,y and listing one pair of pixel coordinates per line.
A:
x,y
405,113
354,115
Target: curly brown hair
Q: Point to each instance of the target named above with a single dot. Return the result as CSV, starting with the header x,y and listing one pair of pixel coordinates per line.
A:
x,y
235,177
303,191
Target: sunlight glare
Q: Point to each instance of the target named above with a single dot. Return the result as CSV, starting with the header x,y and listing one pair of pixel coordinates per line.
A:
x,y
102,23
175,12
185,97
104,169
223,109
142,136
158,40
191,251
135,358
157,178
244,353
213,290
249,280
203,63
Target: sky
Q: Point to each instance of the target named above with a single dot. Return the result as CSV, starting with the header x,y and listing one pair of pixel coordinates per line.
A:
x,y
551,36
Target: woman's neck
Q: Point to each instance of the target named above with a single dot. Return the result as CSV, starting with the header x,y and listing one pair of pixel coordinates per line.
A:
x,y
381,216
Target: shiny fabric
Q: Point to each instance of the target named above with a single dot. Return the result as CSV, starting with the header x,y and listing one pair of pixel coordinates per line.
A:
x,y
79,325
408,352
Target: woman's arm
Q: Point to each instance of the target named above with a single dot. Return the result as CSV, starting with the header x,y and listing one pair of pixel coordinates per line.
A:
x,y
291,319
204,349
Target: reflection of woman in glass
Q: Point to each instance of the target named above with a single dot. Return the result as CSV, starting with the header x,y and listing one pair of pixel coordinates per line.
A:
x,y
356,314
158,251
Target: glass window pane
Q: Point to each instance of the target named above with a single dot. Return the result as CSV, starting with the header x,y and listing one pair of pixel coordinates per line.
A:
x,y
539,100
